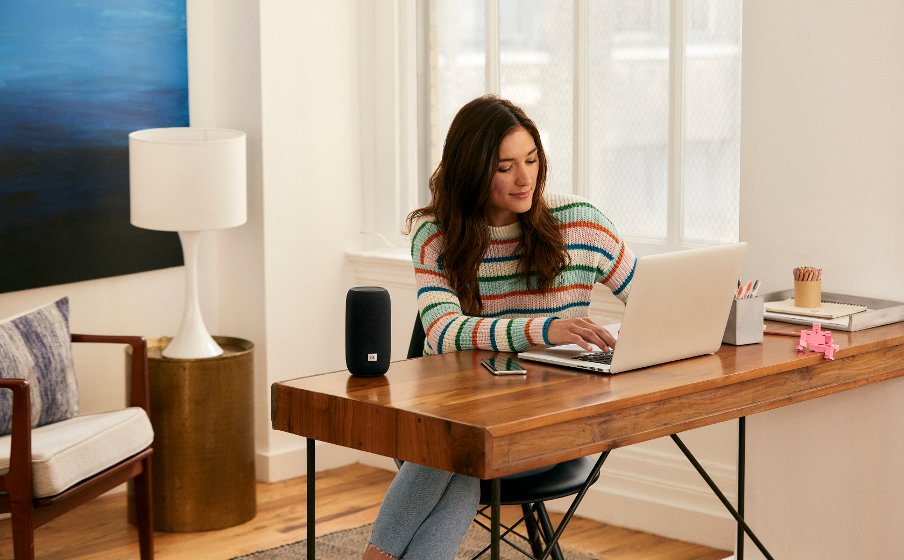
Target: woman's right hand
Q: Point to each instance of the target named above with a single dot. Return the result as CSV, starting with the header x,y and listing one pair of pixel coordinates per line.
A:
x,y
581,331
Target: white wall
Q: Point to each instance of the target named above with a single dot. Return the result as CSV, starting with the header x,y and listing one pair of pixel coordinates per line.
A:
x,y
312,177
225,91
822,175
287,73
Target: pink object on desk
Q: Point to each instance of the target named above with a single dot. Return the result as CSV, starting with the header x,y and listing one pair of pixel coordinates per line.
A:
x,y
818,340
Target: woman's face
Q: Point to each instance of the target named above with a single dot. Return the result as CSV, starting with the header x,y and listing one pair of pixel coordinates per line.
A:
x,y
515,179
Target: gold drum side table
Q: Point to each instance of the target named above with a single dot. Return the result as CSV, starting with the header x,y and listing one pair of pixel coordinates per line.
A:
x,y
202,411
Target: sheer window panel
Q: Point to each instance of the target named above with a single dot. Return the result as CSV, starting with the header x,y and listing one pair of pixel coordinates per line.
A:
x,y
457,61
628,112
536,60
712,152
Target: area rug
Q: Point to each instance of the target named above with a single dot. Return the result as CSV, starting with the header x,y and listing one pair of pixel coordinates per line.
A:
x,y
349,545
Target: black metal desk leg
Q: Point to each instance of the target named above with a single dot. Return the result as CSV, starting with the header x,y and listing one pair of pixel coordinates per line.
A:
x,y
721,496
550,546
311,508
495,500
741,459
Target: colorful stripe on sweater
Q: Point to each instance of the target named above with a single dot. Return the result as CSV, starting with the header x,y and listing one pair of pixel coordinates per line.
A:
x,y
514,319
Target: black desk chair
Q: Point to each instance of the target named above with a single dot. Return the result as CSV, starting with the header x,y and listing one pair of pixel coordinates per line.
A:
x,y
565,479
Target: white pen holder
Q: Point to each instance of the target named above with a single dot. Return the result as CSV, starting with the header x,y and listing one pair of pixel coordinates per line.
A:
x,y
745,321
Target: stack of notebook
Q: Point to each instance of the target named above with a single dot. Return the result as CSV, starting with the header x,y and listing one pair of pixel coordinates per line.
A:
x,y
841,312
826,310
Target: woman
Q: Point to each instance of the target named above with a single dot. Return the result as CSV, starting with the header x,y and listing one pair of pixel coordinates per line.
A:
x,y
499,266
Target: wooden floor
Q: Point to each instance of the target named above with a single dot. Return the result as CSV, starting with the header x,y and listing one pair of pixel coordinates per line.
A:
x,y
346,497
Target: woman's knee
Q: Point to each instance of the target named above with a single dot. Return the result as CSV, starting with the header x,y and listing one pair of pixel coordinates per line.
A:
x,y
411,499
466,489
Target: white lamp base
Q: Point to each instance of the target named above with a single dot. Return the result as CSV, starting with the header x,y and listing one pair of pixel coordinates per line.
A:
x,y
192,340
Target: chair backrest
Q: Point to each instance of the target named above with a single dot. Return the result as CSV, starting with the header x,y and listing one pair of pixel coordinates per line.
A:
x,y
415,350
416,347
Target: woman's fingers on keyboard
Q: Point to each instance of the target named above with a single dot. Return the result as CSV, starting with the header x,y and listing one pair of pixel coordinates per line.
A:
x,y
581,331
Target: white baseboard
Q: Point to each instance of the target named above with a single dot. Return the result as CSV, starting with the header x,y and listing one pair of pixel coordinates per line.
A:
x,y
292,463
639,489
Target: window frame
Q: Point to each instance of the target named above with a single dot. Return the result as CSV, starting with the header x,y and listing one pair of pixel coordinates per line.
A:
x,y
674,239
397,124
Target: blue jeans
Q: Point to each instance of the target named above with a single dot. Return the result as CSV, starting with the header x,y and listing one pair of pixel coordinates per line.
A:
x,y
425,513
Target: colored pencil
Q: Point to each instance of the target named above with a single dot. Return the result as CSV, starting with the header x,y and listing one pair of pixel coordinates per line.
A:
x,y
807,274
783,333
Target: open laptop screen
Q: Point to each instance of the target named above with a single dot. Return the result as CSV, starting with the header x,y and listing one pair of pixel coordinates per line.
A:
x,y
677,309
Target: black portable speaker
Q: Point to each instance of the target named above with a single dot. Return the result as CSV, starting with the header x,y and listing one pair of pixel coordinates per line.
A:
x,y
367,331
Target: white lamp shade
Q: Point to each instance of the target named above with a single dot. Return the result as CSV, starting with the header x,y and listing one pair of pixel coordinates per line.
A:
x,y
187,179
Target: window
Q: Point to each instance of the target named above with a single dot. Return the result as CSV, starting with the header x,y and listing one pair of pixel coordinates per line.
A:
x,y
637,101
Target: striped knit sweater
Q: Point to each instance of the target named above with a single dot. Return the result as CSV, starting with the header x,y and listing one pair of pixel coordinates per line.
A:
x,y
514,319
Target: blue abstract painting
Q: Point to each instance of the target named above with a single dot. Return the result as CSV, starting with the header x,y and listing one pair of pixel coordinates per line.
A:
x,y
76,77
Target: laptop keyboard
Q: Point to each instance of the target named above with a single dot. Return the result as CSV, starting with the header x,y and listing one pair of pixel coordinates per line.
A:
x,y
596,357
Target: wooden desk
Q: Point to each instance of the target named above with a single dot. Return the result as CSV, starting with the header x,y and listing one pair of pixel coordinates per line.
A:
x,y
448,412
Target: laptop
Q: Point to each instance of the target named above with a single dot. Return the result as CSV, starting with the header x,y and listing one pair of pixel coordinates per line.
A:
x,y
678,308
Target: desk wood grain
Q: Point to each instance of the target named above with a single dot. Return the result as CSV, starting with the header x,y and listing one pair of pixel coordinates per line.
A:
x,y
448,412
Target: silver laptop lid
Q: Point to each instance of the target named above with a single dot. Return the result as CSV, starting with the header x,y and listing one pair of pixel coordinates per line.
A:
x,y
678,306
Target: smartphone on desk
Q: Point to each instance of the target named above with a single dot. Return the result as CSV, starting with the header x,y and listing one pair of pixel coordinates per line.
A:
x,y
503,366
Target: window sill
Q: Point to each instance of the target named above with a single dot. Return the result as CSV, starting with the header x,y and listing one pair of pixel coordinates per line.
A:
x,y
383,267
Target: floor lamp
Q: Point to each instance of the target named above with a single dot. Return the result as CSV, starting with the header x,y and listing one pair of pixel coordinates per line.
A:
x,y
188,180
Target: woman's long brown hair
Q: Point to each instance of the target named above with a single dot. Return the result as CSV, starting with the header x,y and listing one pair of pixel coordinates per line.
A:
x,y
460,188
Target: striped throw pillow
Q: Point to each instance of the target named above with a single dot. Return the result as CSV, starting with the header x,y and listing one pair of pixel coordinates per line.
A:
x,y
36,345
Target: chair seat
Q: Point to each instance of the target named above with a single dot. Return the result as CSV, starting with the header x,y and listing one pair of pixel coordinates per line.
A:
x,y
67,452
564,480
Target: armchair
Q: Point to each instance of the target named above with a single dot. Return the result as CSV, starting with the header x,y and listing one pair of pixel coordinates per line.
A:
x,y
47,471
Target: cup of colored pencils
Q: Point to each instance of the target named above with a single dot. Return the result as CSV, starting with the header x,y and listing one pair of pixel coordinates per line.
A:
x,y
807,286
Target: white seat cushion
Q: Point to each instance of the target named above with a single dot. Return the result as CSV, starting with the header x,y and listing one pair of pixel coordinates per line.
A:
x,y
67,452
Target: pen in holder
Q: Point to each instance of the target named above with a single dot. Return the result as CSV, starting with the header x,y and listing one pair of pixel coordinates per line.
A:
x,y
807,287
745,321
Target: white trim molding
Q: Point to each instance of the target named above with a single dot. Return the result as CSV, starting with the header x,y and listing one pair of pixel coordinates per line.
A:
x,y
581,125
293,463
677,78
386,268
389,105
492,67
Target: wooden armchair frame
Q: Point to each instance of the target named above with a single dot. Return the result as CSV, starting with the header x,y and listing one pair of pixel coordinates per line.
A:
x,y
28,512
